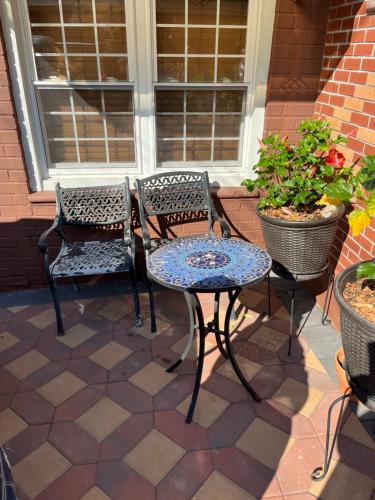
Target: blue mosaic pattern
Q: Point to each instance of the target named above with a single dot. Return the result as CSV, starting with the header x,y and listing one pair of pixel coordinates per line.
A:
x,y
208,263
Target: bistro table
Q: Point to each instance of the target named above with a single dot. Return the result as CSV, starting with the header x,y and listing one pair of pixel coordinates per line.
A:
x,y
209,265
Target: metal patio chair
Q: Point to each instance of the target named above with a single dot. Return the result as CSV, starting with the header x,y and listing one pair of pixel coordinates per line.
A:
x,y
174,198
98,207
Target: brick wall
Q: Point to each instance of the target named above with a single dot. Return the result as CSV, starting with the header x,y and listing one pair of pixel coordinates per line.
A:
x,y
347,99
296,59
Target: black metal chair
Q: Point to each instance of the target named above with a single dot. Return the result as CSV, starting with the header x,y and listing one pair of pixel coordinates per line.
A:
x,y
174,198
98,206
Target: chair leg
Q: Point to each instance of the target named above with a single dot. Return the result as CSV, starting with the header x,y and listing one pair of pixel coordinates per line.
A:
x,y
327,301
291,324
138,320
56,303
152,305
320,472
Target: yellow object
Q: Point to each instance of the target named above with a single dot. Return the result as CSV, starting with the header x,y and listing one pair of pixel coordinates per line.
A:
x,y
324,200
358,221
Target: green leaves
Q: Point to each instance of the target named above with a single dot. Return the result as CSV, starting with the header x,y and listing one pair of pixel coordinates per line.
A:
x,y
366,175
339,191
366,270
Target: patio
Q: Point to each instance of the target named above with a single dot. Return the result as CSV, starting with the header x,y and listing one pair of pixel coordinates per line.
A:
x,y
94,415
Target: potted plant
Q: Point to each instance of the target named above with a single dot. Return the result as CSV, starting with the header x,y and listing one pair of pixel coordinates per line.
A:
x,y
355,286
298,229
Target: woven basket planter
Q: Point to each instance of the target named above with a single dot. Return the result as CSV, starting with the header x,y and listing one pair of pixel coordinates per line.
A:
x,y
299,247
358,340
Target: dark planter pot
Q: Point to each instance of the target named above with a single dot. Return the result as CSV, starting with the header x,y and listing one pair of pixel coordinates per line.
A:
x,y
299,248
358,340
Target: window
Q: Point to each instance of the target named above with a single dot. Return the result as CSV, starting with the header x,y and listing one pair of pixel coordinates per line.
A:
x,y
109,88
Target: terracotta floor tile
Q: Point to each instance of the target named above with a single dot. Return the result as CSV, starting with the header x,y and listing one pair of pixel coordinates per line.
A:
x,y
32,408
172,424
209,407
116,309
95,494
355,430
7,340
110,355
226,430
77,445
61,388
27,364
271,340
216,483
282,313
44,319
72,484
265,443
343,482
299,397
88,371
17,309
152,378
81,402
311,360
103,418
129,397
187,476
248,368
154,456
174,393
38,470
251,298
76,335
145,329
10,425
26,441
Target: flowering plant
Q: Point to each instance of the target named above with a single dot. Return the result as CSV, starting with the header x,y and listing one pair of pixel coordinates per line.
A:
x,y
294,176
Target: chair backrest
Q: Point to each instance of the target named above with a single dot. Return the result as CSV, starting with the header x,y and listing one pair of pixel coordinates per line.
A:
x,y
174,192
93,206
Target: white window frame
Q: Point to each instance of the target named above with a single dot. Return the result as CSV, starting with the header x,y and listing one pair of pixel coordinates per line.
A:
x,y
140,26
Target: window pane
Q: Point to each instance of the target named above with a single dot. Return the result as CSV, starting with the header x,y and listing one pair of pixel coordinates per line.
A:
x,y
230,70
80,40
50,68
112,40
202,12
77,11
118,100
63,151
232,41
87,100
114,68
83,68
120,126
201,40
110,11
55,100
92,151
229,101
198,126
90,126
44,11
47,39
233,12
121,151
59,126
169,101
227,125
198,150
199,100
171,40
170,126
170,11
171,69
170,151
201,69
226,150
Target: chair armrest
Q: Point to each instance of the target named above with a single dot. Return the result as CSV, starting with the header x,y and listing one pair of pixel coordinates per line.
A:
x,y
225,230
42,242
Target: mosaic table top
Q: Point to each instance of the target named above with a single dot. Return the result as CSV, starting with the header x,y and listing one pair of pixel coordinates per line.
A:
x,y
205,264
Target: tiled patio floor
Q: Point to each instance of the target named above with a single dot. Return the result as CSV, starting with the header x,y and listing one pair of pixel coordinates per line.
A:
x,y
94,415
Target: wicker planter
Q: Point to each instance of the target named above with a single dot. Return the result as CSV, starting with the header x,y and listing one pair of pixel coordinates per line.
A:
x,y
299,247
358,339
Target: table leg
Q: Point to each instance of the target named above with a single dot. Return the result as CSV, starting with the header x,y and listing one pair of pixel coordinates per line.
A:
x,y
202,338
217,325
191,334
236,368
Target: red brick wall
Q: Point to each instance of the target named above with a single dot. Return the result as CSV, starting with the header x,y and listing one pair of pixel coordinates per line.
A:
x,y
296,58
347,100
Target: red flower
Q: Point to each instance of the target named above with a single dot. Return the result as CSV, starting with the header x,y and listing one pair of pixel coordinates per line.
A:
x,y
335,159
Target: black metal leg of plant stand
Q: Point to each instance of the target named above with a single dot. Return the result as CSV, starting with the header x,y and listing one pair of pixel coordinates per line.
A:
x,y
320,472
291,324
236,368
202,338
217,325
327,301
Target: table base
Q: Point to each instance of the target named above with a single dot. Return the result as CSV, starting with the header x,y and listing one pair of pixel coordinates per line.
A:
x,y
197,323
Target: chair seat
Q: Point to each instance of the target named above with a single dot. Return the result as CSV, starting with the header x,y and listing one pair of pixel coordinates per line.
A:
x,y
91,257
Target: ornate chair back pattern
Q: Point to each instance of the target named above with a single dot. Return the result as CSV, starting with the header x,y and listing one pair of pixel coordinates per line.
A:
x,y
102,205
178,192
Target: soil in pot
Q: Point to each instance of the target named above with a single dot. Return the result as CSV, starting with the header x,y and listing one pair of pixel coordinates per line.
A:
x,y
290,214
360,295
